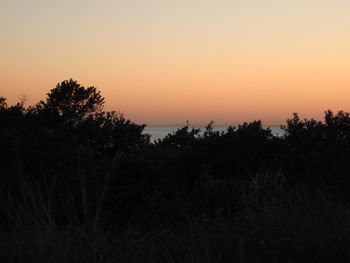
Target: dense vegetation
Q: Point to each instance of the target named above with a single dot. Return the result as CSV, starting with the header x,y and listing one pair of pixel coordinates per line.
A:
x,y
79,184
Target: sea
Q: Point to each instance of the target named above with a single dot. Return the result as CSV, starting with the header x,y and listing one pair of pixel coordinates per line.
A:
x,y
159,132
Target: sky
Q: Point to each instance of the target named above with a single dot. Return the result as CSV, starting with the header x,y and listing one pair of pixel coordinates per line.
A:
x,y
163,62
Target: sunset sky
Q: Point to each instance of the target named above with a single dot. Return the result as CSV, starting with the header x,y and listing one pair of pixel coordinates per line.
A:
x,y
165,62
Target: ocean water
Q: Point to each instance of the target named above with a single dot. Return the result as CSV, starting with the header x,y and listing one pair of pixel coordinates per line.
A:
x,y
159,132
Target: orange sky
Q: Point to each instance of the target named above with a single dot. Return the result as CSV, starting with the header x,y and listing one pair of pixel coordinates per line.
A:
x,y
165,62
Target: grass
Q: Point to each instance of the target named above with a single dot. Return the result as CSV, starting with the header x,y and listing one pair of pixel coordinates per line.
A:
x,y
274,223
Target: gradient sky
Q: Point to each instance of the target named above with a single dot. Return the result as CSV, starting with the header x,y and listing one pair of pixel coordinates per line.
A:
x,y
165,62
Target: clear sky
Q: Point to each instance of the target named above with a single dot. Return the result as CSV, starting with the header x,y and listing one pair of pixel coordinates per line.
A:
x,y
165,62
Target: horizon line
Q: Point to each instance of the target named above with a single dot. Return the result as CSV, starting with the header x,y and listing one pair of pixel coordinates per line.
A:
x,y
204,125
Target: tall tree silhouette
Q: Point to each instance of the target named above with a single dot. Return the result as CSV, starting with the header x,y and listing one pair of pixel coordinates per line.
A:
x,y
71,102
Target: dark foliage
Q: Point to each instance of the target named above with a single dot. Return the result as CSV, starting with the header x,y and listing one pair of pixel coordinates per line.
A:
x,y
66,163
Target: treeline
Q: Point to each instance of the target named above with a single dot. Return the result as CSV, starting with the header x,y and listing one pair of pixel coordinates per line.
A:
x,y
81,183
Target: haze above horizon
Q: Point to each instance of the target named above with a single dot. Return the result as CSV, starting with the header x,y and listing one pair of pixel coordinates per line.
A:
x,y
163,62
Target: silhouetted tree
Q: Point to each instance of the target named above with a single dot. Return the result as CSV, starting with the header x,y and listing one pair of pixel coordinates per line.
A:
x,y
110,132
184,136
3,103
71,102
338,126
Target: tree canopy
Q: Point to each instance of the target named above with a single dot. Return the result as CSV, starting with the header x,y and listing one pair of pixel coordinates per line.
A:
x,y
2,103
69,101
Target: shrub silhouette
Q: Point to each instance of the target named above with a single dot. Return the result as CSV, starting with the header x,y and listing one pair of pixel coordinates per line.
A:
x,y
69,165
3,103
54,135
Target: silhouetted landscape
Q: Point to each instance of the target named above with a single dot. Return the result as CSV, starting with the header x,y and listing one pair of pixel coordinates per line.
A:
x,y
79,184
